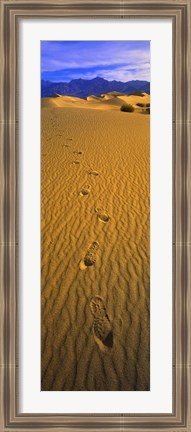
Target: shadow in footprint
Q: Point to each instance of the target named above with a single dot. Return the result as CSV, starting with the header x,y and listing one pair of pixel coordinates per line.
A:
x,y
93,173
76,162
77,152
85,190
102,214
102,329
90,257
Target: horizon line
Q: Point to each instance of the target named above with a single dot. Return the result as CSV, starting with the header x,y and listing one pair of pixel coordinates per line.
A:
x,y
84,79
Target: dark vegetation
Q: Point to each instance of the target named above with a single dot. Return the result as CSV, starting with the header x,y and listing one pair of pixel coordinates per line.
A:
x,y
137,93
127,108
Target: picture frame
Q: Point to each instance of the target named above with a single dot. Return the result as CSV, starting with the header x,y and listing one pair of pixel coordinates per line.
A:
x,y
11,14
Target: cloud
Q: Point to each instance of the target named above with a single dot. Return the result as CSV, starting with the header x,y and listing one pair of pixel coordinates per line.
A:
x,y
119,60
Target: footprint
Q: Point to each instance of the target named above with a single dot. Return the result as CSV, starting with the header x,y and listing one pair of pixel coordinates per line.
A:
x,y
102,328
97,307
77,152
103,333
76,162
85,190
93,173
102,214
90,257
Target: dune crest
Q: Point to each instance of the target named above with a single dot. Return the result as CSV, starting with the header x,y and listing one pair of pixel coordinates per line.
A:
x,y
107,101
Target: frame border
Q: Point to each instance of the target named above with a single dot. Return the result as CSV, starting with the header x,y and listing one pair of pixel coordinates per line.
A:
x,y
11,11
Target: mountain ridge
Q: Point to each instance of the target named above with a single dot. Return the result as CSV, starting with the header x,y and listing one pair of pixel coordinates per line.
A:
x,y
96,86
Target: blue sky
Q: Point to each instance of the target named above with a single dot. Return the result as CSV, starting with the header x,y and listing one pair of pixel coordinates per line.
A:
x,y
113,60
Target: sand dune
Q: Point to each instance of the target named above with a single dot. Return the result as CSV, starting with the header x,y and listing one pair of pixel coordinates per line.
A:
x,y
134,99
110,95
93,98
107,101
63,101
95,254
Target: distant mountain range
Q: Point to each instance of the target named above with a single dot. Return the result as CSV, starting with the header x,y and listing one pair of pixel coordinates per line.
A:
x,y
83,88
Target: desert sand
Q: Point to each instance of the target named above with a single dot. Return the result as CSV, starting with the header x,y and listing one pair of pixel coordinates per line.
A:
x,y
95,244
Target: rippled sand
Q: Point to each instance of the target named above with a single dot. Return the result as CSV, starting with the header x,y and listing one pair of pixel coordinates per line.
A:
x,y
95,247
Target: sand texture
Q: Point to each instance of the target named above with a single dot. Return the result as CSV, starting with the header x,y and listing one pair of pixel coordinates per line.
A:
x,y
95,244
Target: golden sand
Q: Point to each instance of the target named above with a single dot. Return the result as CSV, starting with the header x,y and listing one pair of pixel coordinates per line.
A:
x,y
95,226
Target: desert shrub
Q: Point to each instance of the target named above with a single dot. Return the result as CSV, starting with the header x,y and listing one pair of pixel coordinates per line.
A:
x,y
137,93
148,105
127,108
140,104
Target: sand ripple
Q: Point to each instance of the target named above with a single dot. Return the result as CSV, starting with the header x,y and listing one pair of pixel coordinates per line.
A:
x,y
110,184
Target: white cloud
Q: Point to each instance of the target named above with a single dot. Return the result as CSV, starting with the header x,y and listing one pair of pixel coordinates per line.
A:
x,y
86,58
